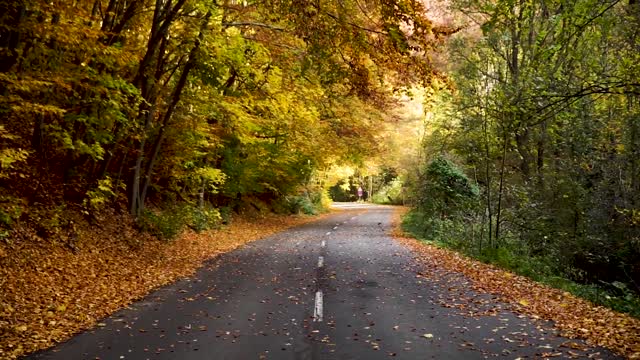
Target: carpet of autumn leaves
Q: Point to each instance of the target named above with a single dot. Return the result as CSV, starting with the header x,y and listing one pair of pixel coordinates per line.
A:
x,y
49,292
574,317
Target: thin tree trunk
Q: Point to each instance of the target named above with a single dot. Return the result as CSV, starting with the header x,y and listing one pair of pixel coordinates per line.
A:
x,y
119,176
201,194
148,172
175,99
500,191
634,152
488,179
540,155
135,201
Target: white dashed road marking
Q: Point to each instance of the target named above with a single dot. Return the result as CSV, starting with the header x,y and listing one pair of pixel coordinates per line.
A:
x,y
317,309
324,243
321,261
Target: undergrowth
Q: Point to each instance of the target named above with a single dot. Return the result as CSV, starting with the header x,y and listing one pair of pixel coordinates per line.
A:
x,y
452,235
169,222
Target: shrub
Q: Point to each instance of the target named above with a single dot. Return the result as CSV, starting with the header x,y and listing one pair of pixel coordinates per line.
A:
x,y
445,190
166,224
11,208
308,202
204,218
390,193
98,197
169,222
297,204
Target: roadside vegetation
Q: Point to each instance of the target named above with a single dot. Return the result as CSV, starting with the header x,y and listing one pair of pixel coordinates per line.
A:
x,y
532,155
179,112
173,117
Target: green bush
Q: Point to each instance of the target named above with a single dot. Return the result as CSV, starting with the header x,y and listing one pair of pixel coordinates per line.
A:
x,y
297,204
344,191
166,224
309,203
169,222
444,190
390,193
204,218
11,208
226,215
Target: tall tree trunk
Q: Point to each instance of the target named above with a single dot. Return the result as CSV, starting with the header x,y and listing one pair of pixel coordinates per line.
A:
x,y
501,188
201,194
135,202
542,137
634,150
10,34
175,99
163,16
522,141
488,180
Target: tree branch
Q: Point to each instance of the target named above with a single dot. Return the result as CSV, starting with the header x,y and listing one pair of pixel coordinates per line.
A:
x,y
253,24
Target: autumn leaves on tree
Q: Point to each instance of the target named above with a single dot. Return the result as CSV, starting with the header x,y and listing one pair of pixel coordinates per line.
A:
x,y
200,101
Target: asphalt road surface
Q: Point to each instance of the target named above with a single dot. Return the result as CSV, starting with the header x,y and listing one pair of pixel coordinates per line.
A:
x,y
338,288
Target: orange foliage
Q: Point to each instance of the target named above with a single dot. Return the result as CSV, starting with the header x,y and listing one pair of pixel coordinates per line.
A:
x,y
48,293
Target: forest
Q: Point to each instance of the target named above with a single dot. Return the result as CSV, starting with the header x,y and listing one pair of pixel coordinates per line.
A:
x,y
212,105
532,158
183,113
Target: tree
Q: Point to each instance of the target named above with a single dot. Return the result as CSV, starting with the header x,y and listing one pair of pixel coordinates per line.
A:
x,y
544,106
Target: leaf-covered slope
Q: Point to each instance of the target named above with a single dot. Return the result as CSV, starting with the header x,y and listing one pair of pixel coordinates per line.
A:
x,y
48,292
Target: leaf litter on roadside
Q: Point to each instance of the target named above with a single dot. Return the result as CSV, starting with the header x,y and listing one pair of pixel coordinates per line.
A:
x,y
49,293
573,316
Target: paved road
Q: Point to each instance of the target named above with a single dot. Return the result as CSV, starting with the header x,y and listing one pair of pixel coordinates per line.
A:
x,y
339,288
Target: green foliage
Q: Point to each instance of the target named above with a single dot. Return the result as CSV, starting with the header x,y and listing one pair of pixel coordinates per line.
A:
x,y
205,218
9,157
50,221
390,193
344,191
310,202
97,198
544,112
445,190
297,204
510,256
453,231
189,100
226,215
167,223
11,208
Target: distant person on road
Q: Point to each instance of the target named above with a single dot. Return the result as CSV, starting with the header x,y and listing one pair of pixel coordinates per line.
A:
x,y
360,193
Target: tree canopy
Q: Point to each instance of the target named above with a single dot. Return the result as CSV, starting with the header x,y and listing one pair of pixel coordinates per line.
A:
x,y
114,102
544,116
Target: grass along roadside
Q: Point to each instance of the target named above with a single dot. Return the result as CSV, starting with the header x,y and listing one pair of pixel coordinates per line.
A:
x,y
48,293
574,316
